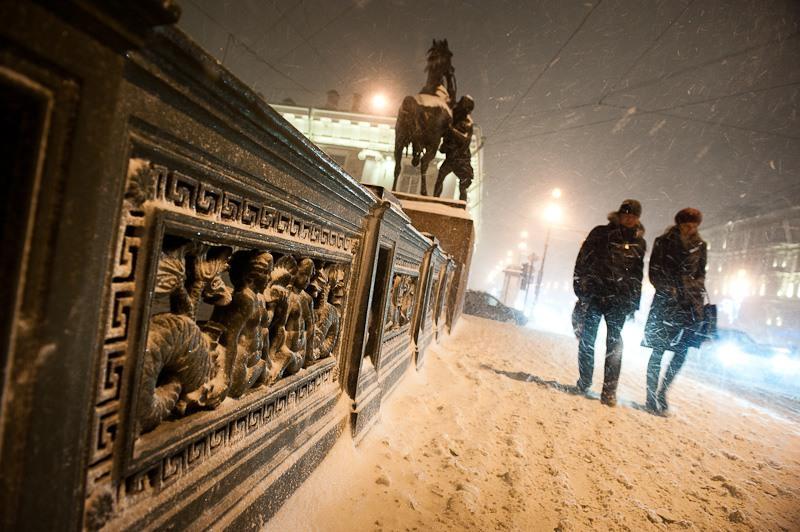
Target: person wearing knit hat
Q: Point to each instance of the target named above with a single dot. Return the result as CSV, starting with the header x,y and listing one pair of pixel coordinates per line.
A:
x,y
688,215
630,206
608,283
677,271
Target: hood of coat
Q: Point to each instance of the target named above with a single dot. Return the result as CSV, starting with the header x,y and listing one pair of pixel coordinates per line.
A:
x,y
613,217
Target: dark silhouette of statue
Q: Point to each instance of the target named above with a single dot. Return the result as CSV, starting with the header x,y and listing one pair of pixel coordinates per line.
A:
x,y
455,146
423,119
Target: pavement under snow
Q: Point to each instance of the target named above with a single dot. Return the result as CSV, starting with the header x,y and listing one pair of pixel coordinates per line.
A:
x,y
486,436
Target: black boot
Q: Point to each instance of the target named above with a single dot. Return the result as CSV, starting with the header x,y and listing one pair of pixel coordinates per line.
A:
x,y
662,408
672,370
609,398
653,372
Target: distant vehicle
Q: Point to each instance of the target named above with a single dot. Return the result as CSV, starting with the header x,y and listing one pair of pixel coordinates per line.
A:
x,y
731,342
736,353
485,305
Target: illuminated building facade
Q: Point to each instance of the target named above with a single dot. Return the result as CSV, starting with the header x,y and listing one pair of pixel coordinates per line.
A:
x,y
363,144
754,275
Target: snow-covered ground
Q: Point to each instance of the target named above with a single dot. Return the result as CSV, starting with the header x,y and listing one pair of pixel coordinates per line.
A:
x,y
486,437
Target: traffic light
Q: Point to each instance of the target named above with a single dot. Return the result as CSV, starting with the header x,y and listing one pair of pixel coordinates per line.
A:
x,y
525,278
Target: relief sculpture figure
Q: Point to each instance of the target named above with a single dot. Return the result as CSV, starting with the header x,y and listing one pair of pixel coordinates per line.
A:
x,y
402,301
181,369
326,317
243,322
294,320
407,302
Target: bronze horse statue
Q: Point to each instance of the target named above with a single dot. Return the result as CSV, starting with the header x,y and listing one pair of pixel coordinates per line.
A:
x,y
423,119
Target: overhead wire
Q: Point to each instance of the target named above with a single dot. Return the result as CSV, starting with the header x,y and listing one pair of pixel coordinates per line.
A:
x,y
646,112
246,47
715,60
665,110
661,78
314,33
646,51
552,62
726,96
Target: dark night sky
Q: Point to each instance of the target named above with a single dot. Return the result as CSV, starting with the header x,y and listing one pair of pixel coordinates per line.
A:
x,y
673,102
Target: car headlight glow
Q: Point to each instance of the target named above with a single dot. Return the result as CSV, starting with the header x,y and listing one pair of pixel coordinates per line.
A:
x,y
731,355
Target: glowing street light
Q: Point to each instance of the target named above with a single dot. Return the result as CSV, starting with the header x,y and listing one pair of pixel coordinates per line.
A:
x,y
740,286
523,234
379,102
552,215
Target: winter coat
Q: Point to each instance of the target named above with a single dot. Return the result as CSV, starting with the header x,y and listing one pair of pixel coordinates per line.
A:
x,y
608,271
678,272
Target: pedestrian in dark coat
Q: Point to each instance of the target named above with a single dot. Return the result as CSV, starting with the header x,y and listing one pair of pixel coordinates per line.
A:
x,y
608,283
677,271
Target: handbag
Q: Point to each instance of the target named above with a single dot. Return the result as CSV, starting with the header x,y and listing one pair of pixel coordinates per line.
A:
x,y
708,327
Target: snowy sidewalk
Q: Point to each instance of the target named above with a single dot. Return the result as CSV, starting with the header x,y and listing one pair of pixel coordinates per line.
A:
x,y
485,437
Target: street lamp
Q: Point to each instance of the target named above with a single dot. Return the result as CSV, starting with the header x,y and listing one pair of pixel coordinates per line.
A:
x,y
552,214
379,102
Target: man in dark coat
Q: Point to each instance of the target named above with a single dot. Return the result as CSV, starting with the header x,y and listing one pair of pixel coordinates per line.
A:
x,y
677,271
608,283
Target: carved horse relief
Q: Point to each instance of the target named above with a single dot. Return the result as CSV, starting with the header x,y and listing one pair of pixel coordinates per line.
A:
x,y
422,120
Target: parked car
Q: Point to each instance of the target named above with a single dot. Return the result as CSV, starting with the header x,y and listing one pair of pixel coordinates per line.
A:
x,y
486,305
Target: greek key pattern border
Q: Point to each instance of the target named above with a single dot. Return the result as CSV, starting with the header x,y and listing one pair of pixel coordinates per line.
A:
x,y
105,421
205,200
